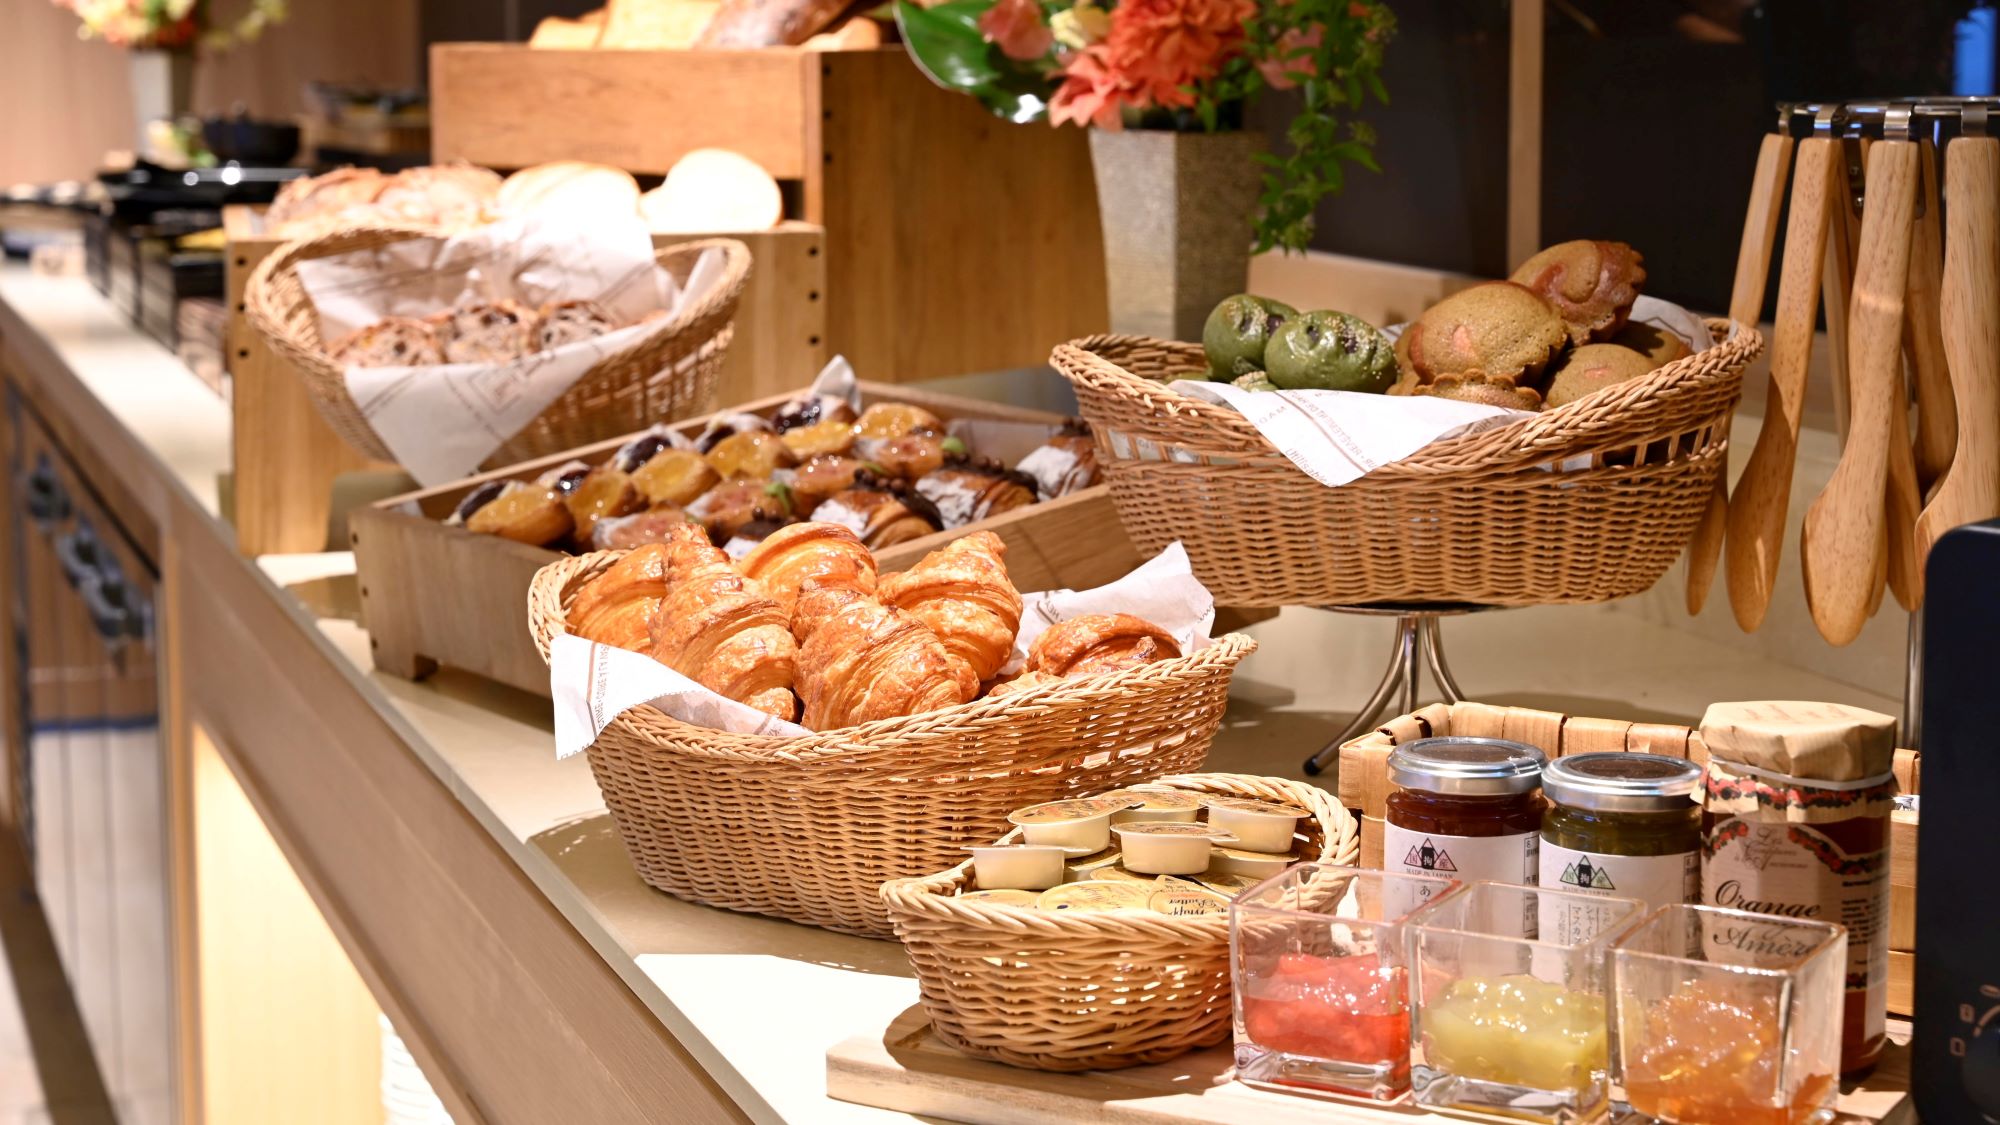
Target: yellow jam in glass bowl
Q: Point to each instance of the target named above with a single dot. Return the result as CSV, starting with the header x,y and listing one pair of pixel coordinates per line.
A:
x,y
1518,1030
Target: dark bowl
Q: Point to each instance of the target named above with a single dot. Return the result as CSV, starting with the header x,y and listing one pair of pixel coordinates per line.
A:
x,y
266,143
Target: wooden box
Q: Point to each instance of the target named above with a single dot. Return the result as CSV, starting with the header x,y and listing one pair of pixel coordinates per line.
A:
x,y
285,457
434,594
955,242
1364,785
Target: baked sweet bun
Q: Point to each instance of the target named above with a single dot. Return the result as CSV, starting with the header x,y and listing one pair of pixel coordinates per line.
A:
x,y
1591,284
616,607
913,455
790,556
1505,330
969,493
398,341
855,33
882,517
568,322
1594,367
642,447
571,187
483,333
716,628
863,660
618,533
656,24
454,196
769,23
1653,342
526,513
810,410
752,455
894,419
731,506
963,593
1477,386
713,190
1099,642
325,194
1066,463
675,476
819,477
725,426
602,492
828,436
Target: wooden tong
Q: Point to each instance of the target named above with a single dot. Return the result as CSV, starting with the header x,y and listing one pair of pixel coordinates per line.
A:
x,y
1969,490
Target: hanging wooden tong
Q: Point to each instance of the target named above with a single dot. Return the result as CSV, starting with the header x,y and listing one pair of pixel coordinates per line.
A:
x,y
1969,490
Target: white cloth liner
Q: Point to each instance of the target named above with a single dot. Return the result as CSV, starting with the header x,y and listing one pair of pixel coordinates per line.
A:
x,y
442,421
593,683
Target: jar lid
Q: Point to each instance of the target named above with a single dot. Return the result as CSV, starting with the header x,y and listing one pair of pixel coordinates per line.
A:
x,y
1467,767
1616,781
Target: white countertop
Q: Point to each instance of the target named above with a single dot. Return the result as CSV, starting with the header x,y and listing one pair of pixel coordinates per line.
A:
x,y
756,1000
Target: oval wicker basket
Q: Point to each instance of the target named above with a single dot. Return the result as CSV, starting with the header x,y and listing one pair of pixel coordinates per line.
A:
x,y
808,828
1477,518
667,374
1086,991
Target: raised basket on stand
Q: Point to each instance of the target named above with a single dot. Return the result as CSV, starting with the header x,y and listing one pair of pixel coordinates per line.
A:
x,y
668,373
808,828
1087,990
1478,518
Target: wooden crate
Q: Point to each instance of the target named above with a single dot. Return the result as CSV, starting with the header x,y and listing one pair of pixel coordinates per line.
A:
x,y
286,457
434,594
955,241
1364,786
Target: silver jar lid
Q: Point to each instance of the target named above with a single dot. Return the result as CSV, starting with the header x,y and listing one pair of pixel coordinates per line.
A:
x,y
1616,781
1467,767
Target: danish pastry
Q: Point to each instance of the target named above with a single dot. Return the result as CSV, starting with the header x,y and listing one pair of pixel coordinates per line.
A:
x,y
1099,642
752,454
894,419
970,493
829,436
603,491
526,513
619,533
674,476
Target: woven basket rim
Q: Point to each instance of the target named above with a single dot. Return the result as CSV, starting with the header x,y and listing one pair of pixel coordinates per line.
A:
x,y
552,588
925,894
1537,437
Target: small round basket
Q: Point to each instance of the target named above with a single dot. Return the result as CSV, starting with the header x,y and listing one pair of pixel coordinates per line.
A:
x,y
667,374
1487,518
809,828
1088,990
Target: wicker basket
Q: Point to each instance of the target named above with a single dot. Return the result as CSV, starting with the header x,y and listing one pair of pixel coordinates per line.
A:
x,y
668,374
1086,991
808,828
1475,518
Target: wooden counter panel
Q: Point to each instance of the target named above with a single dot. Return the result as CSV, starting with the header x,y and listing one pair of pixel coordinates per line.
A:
x,y
511,1012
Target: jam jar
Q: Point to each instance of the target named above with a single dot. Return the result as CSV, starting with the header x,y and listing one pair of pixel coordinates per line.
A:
x,y
1467,808
1619,825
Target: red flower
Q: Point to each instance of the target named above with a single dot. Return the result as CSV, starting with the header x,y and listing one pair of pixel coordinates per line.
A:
x,y
1157,49
1287,67
1016,27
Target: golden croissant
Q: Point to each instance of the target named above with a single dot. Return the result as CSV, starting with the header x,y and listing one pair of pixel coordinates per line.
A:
x,y
794,553
1099,642
616,607
863,660
716,628
962,592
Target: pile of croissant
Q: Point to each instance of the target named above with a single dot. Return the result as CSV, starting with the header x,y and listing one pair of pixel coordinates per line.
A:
x,y
803,629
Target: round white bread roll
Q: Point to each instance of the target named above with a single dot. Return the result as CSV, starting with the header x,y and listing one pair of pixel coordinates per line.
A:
x,y
570,186
713,190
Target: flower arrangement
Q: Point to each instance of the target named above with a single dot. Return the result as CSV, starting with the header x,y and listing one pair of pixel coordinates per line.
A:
x,y
1175,64
168,25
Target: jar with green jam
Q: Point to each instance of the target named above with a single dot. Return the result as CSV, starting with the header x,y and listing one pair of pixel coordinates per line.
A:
x,y
1619,825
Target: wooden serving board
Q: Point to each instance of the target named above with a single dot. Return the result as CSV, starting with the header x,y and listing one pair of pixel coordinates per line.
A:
x,y
905,1067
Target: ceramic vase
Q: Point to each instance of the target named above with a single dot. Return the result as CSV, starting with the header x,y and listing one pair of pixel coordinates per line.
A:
x,y
1176,210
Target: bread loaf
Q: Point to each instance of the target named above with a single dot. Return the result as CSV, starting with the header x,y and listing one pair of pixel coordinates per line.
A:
x,y
399,341
569,186
656,24
491,333
713,190
769,23
559,34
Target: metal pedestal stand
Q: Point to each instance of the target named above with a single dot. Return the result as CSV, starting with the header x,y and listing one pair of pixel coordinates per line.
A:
x,y
1419,644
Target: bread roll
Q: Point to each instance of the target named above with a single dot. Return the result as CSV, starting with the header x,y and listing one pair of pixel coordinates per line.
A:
x,y
494,333
769,23
569,187
713,190
568,322
325,194
656,24
398,341
855,33
447,195
558,34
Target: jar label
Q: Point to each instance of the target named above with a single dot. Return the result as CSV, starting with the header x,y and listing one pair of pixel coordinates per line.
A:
x,y
1795,871
1505,859
1656,880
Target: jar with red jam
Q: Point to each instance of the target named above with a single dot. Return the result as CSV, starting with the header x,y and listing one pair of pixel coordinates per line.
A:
x,y
1466,808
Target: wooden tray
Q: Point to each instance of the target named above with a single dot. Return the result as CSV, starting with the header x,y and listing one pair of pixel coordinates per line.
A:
x,y
285,457
955,241
905,1067
433,594
1364,786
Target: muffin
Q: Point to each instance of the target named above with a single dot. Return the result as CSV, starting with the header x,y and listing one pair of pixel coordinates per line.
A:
x,y
1504,330
1594,367
1477,386
1655,343
1591,284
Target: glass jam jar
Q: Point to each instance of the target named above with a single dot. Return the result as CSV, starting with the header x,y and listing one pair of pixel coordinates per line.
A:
x,y
1619,824
1468,808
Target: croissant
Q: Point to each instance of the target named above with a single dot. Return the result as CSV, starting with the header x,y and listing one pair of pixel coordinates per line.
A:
x,y
716,628
1099,642
1018,683
794,553
863,661
615,607
962,592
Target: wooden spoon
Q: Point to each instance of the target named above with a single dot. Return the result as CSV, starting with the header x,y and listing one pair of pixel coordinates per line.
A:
x,y
1905,575
1843,539
1746,306
1923,340
1970,489
1764,491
